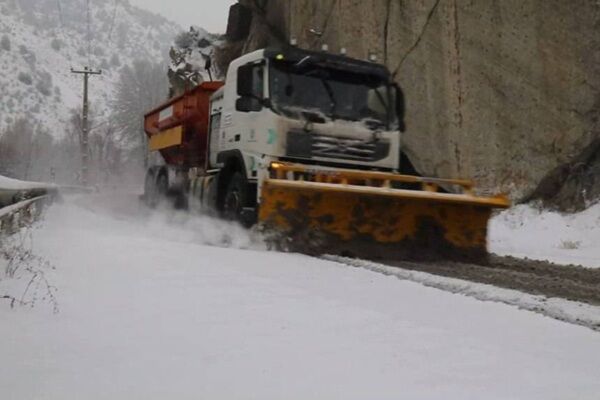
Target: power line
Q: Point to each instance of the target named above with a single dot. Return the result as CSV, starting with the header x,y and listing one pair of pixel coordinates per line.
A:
x,y
60,15
63,30
89,31
112,23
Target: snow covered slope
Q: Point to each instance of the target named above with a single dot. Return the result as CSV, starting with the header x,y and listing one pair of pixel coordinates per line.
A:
x,y
524,231
40,44
149,311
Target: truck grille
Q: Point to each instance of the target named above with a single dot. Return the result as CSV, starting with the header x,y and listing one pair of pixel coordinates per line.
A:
x,y
309,145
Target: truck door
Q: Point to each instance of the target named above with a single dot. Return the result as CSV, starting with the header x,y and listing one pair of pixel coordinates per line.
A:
x,y
251,92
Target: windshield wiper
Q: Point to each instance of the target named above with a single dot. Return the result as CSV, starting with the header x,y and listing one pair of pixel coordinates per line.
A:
x,y
329,91
386,106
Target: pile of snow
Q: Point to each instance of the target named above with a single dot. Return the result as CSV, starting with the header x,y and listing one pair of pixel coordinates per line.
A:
x,y
148,311
524,231
15,184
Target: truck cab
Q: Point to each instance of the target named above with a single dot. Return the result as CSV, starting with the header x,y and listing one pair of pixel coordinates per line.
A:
x,y
306,107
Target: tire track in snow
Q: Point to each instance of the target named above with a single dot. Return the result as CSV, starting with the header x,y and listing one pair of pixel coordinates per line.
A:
x,y
572,312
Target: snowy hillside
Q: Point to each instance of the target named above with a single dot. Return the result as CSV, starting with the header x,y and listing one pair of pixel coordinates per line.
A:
x,y
41,40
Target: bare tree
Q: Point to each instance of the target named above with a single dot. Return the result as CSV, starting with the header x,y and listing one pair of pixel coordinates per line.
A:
x,y
16,145
106,154
141,87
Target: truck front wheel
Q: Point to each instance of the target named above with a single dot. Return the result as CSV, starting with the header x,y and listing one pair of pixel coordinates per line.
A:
x,y
235,197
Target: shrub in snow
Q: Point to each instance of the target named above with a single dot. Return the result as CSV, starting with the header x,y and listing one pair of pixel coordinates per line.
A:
x,y
56,44
5,43
185,40
115,61
44,83
44,87
25,78
28,56
21,264
570,244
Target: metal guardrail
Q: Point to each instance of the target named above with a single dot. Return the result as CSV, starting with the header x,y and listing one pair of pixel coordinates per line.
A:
x,y
21,214
22,202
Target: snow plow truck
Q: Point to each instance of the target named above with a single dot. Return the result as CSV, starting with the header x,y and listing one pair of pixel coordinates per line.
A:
x,y
307,145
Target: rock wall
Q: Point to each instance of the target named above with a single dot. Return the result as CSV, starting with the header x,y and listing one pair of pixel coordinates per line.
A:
x,y
502,91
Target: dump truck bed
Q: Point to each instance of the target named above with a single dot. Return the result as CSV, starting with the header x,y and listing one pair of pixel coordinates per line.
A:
x,y
178,129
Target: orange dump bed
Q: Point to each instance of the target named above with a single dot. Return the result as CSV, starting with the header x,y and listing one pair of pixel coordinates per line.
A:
x,y
178,129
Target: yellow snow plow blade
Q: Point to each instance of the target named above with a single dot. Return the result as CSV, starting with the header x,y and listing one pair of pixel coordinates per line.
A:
x,y
374,215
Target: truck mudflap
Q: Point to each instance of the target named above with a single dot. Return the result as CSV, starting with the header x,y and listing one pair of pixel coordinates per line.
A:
x,y
374,215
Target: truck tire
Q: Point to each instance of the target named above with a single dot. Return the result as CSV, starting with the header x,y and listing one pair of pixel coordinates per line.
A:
x,y
235,197
162,186
150,190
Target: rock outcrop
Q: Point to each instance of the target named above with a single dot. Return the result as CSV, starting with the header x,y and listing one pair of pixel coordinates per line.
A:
x,y
189,56
573,186
500,91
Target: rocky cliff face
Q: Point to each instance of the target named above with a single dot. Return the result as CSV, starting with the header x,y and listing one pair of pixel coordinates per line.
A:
x,y
499,91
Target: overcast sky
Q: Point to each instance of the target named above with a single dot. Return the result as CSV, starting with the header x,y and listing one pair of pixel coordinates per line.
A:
x,y
208,14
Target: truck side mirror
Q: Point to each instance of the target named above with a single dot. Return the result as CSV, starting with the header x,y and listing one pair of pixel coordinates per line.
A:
x,y
248,104
245,77
400,107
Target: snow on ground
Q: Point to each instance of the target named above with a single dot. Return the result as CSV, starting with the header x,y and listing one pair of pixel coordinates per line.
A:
x,y
524,231
148,310
563,310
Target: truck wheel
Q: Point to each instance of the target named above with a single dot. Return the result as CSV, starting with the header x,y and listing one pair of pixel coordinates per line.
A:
x,y
150,190
162,186
235,197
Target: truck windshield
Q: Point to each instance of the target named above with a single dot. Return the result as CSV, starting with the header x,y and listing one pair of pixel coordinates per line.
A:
x,y
327,93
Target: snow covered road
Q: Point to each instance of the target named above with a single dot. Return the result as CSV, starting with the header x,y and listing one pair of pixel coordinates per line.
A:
x,y
150,310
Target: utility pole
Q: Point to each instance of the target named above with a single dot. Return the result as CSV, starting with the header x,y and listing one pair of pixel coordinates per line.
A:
x,y
85,152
